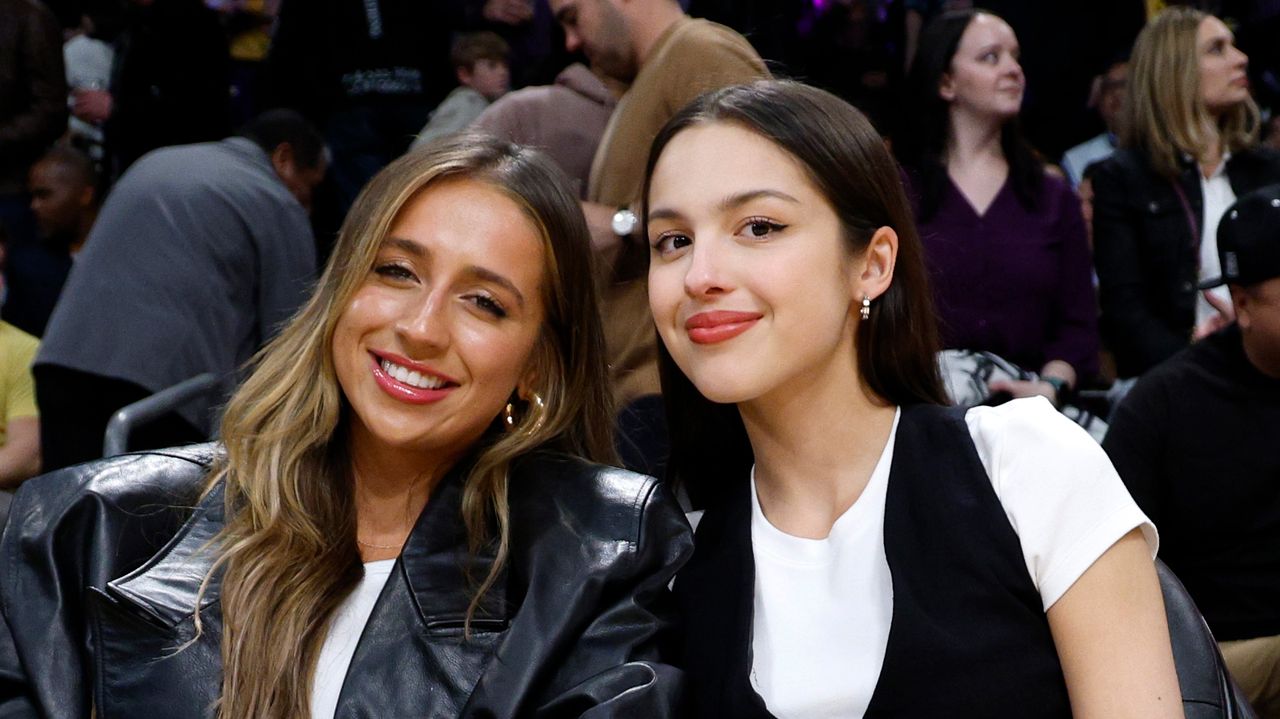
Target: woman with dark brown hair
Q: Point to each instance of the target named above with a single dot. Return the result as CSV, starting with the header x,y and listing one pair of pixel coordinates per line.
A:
x,y
864,549
403,518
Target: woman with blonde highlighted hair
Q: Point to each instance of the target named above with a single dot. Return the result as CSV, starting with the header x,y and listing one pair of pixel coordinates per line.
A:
x,y
1189,148
402,519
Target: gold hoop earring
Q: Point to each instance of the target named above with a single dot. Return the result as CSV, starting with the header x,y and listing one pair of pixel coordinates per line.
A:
x,y
537,408
865,312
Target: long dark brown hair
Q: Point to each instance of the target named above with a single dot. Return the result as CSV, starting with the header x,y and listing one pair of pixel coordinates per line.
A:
x,y
848,162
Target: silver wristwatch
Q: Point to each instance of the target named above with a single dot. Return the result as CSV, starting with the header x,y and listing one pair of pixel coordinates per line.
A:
x,y
624,222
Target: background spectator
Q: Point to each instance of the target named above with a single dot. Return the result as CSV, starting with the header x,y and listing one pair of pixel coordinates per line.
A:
x,y
170,85
480,62
1195,441
184,273
1189,140
1004,241
64,187
565,120
1107,97
33,113
19,418
669,59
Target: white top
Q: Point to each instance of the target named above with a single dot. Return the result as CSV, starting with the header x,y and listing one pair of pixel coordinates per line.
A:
x,y
1218,196
344,633
1058,489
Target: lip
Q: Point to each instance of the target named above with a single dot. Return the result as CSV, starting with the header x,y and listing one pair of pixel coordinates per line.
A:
x,y
1242,81
405,392
707,328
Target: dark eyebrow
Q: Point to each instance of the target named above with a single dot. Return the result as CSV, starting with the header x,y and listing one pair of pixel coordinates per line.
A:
x,y
729,203
489,275
483,273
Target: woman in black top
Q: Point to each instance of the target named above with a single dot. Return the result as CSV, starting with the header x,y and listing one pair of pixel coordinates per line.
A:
x,y
1189,147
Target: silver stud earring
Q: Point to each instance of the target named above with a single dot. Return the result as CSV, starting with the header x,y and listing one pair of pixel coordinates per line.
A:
x,y
866,308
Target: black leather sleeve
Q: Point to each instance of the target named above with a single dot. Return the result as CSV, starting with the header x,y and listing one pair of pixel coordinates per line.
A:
x,y
69,532
625,636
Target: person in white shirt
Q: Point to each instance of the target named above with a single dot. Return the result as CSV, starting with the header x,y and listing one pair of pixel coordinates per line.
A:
x,y
864,549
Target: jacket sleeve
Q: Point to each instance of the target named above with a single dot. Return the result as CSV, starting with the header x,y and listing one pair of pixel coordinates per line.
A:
x,y
625,637
68,531
1136,336
45,118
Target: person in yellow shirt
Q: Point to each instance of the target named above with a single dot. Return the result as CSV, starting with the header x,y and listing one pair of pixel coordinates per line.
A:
x,y
19,418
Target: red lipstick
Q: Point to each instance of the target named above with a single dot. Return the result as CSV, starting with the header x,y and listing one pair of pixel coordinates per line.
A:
x,y
707,328
406,392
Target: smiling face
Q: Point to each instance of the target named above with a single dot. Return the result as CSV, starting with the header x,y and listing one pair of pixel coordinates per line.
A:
x,y
442,331
751,284
1223,82
985,78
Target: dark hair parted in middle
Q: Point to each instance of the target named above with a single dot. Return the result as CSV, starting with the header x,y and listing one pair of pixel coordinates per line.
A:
x,y
922,144
848,163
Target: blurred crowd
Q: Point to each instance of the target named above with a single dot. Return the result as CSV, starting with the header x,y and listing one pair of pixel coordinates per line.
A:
x,y
1094,183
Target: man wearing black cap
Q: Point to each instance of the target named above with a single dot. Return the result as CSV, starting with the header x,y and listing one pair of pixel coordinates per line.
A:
x,y
1197,441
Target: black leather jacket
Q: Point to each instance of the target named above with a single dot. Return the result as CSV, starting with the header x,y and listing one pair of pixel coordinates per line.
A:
x,y
1146,255
100,566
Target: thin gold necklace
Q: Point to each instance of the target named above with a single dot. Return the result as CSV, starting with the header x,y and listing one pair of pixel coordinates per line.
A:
x,y
371,545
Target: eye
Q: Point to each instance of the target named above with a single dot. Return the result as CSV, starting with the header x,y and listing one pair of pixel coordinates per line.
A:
x,y
669,242
487,304
394,271
761,227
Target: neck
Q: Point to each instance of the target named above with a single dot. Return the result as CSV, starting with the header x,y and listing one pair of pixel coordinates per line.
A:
x,y
1262,360
1212,154
815,447
390,488
972,139
648,28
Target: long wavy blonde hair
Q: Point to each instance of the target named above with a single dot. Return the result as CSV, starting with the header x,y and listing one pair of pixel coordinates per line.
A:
x,y
287,555
1163,113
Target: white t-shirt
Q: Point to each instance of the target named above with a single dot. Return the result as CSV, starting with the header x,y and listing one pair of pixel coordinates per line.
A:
x,y
1218,197
1059,490
344,633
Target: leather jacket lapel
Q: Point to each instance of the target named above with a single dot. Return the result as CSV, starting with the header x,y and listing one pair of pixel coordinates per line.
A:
x,y
165,588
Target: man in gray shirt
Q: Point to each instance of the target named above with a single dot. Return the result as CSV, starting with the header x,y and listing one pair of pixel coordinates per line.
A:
x,y
198,256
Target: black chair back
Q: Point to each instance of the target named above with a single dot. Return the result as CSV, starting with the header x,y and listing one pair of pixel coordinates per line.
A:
x,y
1208,692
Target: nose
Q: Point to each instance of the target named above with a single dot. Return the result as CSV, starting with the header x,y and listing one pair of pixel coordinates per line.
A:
x,y
423,325
705,276
1241,59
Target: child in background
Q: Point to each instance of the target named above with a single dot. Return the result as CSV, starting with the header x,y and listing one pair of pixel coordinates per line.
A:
x,y
480,61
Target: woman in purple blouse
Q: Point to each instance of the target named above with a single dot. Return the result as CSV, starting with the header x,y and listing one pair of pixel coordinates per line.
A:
x,y
1005,243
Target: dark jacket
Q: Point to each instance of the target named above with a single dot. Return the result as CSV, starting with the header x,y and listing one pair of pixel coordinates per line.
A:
x,y
102,563
33,88
1147,255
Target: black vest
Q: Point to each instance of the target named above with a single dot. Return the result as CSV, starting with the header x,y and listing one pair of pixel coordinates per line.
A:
x,y
968,636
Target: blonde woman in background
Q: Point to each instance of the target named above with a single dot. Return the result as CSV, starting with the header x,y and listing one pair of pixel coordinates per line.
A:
x,y
399,521
1189,147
